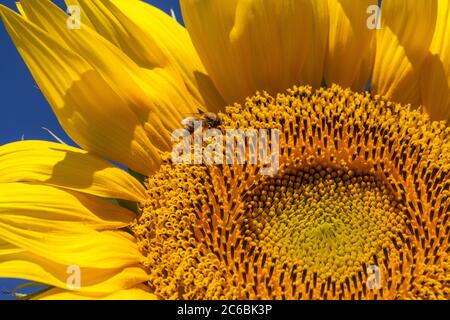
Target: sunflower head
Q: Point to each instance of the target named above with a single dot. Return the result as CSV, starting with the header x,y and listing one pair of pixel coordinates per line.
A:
x,y
357,208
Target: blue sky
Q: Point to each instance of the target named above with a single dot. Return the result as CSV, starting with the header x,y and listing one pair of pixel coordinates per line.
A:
x,y
23,109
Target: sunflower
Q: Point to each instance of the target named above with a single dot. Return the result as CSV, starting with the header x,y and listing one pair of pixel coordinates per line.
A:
x,y
359,208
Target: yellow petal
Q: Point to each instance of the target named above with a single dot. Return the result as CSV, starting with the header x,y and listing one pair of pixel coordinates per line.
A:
x,y
19,264
313,68
137,293
100,20
8,249
157,96
89,110
20,9
366,67
45,220
46,208
87,249
153,39
435,76
349,44
251,45
66,167
402,44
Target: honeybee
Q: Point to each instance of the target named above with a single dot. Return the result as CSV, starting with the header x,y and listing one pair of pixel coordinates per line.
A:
x,y
209,120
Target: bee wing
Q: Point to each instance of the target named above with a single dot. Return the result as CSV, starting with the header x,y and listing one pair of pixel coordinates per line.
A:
x,y
188,121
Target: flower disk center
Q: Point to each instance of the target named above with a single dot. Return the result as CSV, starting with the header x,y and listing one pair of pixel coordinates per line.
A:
x,y
327,221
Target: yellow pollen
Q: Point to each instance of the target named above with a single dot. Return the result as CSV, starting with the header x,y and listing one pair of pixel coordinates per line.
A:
x,y
363,183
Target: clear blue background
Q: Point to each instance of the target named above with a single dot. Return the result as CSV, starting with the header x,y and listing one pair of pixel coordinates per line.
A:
x,y
24,110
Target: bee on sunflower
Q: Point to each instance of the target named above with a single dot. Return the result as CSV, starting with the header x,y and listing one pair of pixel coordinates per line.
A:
x,y
363,179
